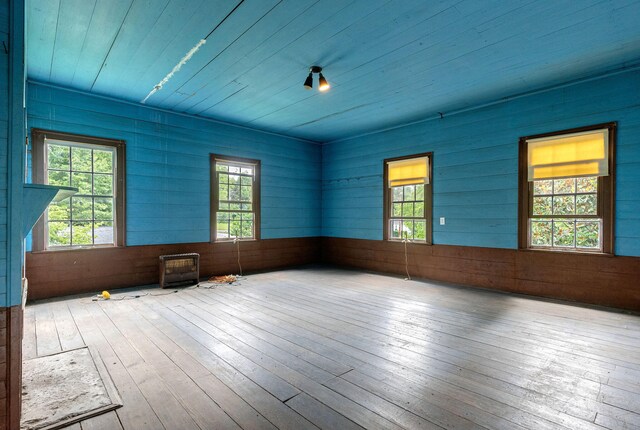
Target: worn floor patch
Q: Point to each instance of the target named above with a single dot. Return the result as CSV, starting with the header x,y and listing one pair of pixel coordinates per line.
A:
x,y
64,388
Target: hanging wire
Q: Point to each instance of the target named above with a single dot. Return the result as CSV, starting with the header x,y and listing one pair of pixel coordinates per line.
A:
x,y
238,247
406,259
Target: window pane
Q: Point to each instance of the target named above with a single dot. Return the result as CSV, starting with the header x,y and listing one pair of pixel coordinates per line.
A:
x,y
540,233
60,211
397,209
407,229
59,233
246,170
223,191
587,204
397,194
102,161
81,233
407,209
235,206
247,229
222,226
103,233
234,179
246,206
59,178
409,192
222,167
420,192
103,208
234,192
542,205
564,205
396,229
419,209
564,186
81,159
224,206
234,225
542,187
587,185
420,230
588,234
58,157
234,169
246,180
563,233
247,217
81,181
103,185
81,208
245,194
223,178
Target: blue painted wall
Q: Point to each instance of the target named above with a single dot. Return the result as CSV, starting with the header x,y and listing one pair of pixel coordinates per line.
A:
x,y
12,128
476,164
168,165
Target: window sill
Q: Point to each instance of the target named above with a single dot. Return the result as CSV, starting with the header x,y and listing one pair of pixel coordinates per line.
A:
x,y
567,252
415,242
78,248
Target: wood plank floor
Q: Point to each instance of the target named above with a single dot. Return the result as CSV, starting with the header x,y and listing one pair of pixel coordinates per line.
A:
x,y
334,349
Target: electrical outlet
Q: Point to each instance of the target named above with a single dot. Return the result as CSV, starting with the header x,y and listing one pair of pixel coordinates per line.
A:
x,y
442,220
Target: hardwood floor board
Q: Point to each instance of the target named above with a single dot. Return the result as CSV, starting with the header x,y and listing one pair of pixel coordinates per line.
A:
x,y
377,371
298,380
136,413
47,341
486,303
245,330
444,405
68,332
29,346
234,405
484,327
336,349
544,378
323,416
191,397
229,331
383,351
260,399
275,385
391,411
159,394
108,421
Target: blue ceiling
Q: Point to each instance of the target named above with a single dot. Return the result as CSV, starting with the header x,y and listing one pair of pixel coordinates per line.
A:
x,y
389,62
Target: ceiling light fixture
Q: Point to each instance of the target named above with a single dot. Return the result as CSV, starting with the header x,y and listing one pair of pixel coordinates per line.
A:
x,y
323,85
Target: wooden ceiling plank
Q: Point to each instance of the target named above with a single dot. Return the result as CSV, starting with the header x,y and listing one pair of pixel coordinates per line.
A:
x,y
70,38
260,34
43,21
101,33
136,25
229,31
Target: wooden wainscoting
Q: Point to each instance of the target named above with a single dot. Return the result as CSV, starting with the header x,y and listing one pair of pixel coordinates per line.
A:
x,y
11,364
587,278
59,273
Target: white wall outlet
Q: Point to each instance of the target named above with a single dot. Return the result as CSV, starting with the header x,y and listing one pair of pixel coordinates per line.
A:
x,y
442,220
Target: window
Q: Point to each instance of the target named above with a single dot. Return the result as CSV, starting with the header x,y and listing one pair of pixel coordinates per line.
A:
x,y
566,190
94,216
407,198
235,198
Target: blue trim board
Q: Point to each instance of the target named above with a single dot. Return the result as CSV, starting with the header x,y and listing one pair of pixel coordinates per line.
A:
x,y
475,185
